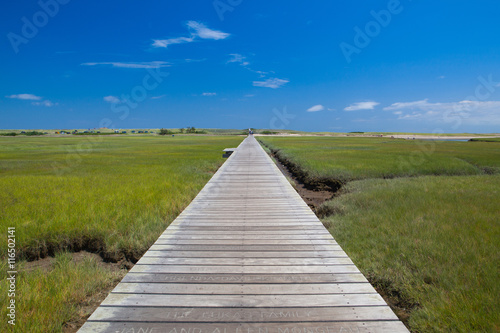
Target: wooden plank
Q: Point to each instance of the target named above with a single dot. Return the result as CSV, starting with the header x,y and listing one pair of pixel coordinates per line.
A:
x,y
253,254
289,327
242,315
246,248
201,278
294,269
243,241
185,236
244,289
245,261
329,300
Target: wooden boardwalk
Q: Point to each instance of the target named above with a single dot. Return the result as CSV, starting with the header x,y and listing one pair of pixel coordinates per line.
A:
x,y
246,256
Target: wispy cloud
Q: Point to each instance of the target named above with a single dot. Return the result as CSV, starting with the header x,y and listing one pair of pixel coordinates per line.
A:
x,y
29,97
196,30
149,64
209,94
316,108
158,97
238,58
171,41
111,99
361,106
273,83
46,103
202,31
471,112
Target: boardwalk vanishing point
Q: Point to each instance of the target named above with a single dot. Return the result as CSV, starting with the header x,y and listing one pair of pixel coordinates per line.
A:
x,y
246,256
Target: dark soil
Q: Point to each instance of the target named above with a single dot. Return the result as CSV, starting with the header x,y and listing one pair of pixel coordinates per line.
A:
x,y
314,198
399,303
39,250
312,190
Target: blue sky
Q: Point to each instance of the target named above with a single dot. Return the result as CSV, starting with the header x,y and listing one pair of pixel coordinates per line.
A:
x,y
340,66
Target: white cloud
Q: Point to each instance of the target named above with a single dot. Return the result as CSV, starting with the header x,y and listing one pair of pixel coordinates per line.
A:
x,y
158,97
111,99
361,106
29,97
238,58
409,105
441,77
166,42
149,64
471,112
315,108
46,103
197,30
209,94
273,83
200,30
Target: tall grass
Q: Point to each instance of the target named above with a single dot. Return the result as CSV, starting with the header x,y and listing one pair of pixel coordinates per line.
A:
x,y
434,240
116,195
46,299
351,158
110,195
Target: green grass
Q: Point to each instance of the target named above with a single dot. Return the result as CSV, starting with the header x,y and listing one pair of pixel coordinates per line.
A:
x,y
110,194
435,240
352,158
431,241
486,140
48,298
118,192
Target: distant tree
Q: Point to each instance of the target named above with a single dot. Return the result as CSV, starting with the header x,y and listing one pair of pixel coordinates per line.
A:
x,y
191,130
181,130
165,131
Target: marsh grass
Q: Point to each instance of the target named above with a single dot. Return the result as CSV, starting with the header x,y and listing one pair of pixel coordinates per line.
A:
x,y
113,196
347,159
48,298
428,235
435,240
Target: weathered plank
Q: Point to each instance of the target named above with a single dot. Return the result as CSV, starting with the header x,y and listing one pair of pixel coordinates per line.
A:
x,y
244,289
242,315
244,278
286,327
323,300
